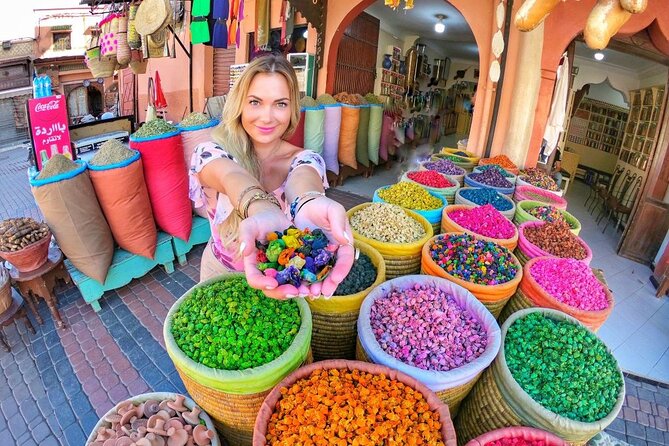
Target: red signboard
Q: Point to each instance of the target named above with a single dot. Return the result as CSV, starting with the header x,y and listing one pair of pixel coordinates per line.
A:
x,y
48,126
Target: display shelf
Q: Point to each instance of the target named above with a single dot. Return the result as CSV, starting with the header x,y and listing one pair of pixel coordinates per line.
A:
x,y
641,127
598,125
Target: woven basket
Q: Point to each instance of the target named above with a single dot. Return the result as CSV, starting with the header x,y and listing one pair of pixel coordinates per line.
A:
x,y
137,62
485,161
5,290
522,215
494,297
433,215
529,434
508,175
460,179
401,258
509,213
530,250
537,194
462,162
448,193
489,405
123,52
335,320
523,182
471,182
270,403
31,257
448,225
231,398
154,396
450,386
470,155
103,67
134,39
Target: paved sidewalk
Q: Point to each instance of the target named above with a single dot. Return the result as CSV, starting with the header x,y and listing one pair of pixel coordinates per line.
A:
x,y
59,382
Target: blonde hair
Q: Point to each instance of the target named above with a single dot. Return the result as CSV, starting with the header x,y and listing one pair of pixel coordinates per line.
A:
x,y
232,137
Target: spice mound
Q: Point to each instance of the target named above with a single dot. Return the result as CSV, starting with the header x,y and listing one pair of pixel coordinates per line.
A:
x,y
425,327
410,196
484,220
444,166
556,239
484,195
341,407
154,127
539,178
501,160
515,441
325,99
195,119
112,151
570,282
228,325
429,178
473,260
491,178
547,213
495,167
563,367
308,101
57,165
296,256
361,276
17,233
387,223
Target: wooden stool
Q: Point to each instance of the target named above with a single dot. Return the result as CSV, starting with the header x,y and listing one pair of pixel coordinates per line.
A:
x,y
41,282
15,310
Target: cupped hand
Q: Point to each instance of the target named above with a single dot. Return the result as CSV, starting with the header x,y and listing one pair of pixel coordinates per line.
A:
x,y
255,228
331,217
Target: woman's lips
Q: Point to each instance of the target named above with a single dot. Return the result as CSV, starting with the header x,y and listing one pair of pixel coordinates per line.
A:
x,y
265,129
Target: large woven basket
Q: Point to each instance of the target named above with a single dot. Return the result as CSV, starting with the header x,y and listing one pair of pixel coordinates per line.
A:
x,y
450,386
508,175
537,194
522,181
509,213
448,193
460,178
139,399
270,403
104,66
491,402
31,257
448,225
335,320
233,398
494,297
520,433
530,250
401,259
433,215
459,161
522,215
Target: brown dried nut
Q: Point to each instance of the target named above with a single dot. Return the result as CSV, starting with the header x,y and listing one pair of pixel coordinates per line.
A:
x,y
202,436
151,407
178,438
178,404
176,423
164,405
192,417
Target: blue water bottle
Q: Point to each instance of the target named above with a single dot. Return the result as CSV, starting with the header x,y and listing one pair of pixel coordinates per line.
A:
x,y
46,85
36,87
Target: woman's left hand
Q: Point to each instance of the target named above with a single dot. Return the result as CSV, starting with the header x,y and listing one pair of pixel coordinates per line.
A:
x,y
331,217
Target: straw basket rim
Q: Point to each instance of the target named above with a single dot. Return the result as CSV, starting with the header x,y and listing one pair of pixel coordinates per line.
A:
x,y
569,217
517,432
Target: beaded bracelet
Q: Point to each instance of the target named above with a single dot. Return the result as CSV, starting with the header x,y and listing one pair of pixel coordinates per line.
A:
x,y
293,205
240,198
259,196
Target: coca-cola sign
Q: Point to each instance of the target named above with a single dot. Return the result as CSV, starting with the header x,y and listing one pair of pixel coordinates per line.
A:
x,y
51,105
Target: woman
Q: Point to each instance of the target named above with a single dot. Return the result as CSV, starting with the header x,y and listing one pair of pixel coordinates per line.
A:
x,y
252,181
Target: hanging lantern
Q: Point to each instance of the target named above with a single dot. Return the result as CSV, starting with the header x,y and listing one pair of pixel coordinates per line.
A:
x,y
408,4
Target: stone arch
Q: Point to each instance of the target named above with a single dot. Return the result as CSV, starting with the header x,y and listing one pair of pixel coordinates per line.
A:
x,y
479,17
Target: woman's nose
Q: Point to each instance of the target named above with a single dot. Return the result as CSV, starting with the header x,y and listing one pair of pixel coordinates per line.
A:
x,y
267,113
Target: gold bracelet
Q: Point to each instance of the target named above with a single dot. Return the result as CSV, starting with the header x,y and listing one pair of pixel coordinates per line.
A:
x,y
240,198
259,196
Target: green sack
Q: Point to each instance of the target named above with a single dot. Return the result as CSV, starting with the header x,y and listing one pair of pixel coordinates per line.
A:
x,y
314,133
362,141
374,134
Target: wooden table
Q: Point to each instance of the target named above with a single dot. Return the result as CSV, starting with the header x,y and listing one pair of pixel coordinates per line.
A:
x,y
15,310
41,282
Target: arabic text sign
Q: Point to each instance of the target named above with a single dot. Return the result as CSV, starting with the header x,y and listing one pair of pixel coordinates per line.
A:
x,y
48,125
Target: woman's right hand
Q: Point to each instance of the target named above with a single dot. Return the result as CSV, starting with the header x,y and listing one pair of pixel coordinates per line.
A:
x,y
265,219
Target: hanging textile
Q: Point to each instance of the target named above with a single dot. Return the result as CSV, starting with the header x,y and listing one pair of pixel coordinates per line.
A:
x,y
262,30
240,17
220,14
290,23
199,25
556,117
234,21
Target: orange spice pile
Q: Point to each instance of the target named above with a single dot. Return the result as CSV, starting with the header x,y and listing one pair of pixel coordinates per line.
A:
x,y
500,160
342,407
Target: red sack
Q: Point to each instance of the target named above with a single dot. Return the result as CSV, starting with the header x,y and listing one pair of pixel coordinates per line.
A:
x,y
167,182
297,138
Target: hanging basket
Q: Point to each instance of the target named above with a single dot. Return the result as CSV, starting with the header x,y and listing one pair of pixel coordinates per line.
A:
x,y
137,62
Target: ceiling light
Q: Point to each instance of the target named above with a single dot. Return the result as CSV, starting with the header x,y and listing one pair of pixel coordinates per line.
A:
x,y
599,55
440,27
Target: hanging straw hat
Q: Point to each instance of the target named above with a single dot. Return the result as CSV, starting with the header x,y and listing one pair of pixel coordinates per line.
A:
x,y
152,15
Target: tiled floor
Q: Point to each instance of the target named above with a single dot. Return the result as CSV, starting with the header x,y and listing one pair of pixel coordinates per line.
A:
x,y
55,384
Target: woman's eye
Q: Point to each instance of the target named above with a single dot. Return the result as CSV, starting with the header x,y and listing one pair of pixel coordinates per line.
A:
x,y
254,102
282,104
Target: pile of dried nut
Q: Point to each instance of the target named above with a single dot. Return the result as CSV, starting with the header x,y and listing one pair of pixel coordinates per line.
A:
x,y
154,423
387,223
17,233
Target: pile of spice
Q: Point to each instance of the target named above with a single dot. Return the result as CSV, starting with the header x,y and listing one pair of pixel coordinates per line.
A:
x,y
495,167
410,196
556,239
112,151
154,127
536,197
195,119
425,327
453,158
429,178
387,223
483,196
500,160
484,220
308,101
515,441
492,178
563,367
294,257
361,276
371,98
341,407
348,98
228,325
570,282
56,165
547,213
461,153
473,260
326,99
444,166
539,178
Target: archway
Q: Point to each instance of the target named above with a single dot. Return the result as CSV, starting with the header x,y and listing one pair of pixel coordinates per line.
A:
x,y
481,18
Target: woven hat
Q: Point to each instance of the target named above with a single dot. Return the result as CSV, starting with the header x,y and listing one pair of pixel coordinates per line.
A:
x,y
152,15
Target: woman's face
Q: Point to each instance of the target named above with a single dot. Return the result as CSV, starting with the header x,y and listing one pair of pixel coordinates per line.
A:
x,y
266,112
